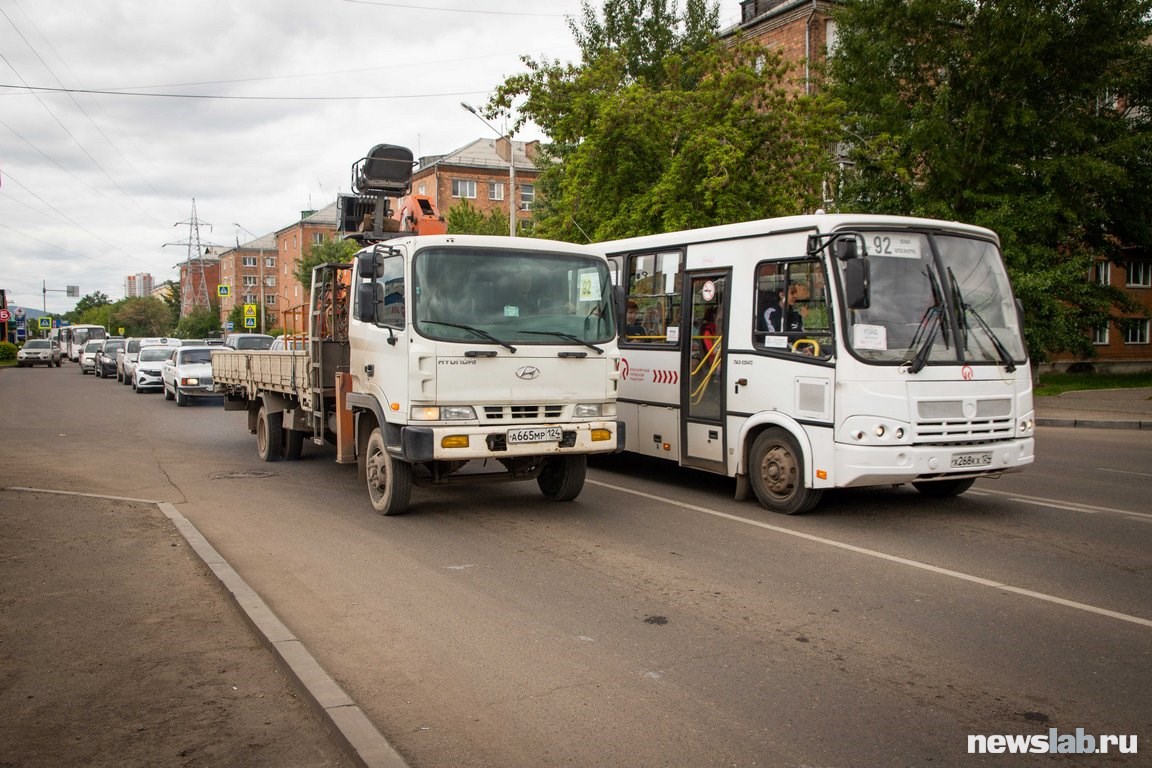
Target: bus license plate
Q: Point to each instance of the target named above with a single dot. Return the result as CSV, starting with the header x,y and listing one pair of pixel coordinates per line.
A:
x,y
961,460
534,435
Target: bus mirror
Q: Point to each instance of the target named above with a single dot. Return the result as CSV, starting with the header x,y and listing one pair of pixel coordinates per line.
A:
x,y
371,266
856,293
846,248
369,299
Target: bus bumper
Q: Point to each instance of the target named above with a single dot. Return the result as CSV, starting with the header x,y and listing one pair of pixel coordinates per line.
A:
x,y
859,466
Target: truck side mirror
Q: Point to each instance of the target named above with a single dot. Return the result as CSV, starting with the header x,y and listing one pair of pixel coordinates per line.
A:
x,y
369,299
856,284
370,266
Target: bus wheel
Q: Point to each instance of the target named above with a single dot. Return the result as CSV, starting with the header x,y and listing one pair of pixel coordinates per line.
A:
x,y
942,489
389,479
776,469
269,434
563,477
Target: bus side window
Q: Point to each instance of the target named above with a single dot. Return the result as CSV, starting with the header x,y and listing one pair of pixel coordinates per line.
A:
x,y
792,313
652,298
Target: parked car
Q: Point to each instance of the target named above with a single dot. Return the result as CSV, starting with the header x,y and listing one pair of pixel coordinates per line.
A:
x,y
282,343
248,340
149,365
105,363
126,362
187,374
37,351
88,354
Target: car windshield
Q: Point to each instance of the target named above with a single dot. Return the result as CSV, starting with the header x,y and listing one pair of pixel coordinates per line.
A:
x,y
254,342
133,346
194,356
37,344
93,346
153,354
112,346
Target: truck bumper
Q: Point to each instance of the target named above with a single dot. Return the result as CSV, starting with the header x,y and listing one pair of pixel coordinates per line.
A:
x,y
458,443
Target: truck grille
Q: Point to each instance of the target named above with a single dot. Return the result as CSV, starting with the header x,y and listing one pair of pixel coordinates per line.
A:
x,y
523,412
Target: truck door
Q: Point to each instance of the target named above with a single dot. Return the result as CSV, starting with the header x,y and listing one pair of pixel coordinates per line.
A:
x,y
702,371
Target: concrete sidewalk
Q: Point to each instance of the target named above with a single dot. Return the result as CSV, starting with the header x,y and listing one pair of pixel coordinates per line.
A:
x,y
1097,408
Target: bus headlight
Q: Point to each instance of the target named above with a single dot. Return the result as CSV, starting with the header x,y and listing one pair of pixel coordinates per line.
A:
x,y
443,413
873,430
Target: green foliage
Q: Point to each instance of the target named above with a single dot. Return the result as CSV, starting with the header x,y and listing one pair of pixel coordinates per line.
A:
x,y
1003,115
466,219
236,317
1053,383
8,351
84,307
662,127
334,251
141,317
172,301
199,324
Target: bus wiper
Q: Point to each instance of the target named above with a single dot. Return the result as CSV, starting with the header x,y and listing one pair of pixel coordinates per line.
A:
x,y
568,336
481,333
925,337
961,307
938,302
965,308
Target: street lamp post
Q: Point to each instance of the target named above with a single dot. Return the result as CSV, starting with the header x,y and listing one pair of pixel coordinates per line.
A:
x,y
260,267
511,169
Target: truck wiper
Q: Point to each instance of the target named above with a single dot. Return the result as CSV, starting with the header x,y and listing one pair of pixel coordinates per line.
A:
x,y
965,308
479,332
925,337
568,336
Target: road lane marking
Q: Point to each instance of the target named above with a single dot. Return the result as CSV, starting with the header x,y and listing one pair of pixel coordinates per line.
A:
x,y
1124,472
970,578
1059,504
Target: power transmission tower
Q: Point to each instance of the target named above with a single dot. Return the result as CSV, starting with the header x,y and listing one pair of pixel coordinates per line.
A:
x,y
194,293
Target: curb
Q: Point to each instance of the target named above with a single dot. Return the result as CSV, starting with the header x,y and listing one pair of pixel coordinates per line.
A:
x,y
360,739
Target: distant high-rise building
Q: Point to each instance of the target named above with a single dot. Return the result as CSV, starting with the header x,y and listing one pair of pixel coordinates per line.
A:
x,y
138,285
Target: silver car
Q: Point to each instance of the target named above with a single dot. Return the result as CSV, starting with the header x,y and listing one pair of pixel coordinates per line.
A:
x,y
88,355
37,351
187,374
146,371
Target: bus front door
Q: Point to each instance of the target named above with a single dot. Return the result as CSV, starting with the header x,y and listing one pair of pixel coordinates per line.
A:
x,y
702,372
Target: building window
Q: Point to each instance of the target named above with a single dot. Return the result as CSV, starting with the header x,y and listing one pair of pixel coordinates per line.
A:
x,y
317,238
249,298
270,282
463,188
527,196
270,299
495,190
1139,274
1136,331
249,261
249,280
270,262
1101,273
1100,335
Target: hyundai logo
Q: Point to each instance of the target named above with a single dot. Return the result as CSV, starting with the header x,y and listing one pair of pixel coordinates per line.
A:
x,y
528,373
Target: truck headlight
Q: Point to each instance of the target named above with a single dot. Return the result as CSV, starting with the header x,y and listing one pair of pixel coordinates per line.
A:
x,y
594,411
443,413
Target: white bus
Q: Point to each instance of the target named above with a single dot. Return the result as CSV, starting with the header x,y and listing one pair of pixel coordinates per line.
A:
x,y
73,338
824,351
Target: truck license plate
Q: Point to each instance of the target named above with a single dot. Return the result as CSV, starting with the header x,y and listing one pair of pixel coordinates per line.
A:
x,y
961,460
534,435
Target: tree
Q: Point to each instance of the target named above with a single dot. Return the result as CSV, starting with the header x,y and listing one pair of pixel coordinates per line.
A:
x,y
144,316
172,299
236,317
200,324
662,127
335,251
1006,115
86,304
465,218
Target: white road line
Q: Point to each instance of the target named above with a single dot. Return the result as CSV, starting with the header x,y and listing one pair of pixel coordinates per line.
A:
x,y
1124,472
1060,504
890,558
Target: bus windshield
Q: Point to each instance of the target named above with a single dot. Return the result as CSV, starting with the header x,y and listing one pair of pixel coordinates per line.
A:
x,y
496,296
935,299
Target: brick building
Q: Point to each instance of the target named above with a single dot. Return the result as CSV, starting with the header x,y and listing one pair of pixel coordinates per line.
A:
x,y
243,269
292,243
199,277
478,173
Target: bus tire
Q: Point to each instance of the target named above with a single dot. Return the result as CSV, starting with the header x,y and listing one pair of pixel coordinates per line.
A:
x,y
269,434
776,471
389,479
943,489
562,478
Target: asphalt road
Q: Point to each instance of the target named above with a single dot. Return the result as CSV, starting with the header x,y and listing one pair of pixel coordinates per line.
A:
x,y
655,621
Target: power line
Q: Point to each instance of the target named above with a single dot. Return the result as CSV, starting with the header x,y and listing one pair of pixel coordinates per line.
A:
x,y
458,10
34,88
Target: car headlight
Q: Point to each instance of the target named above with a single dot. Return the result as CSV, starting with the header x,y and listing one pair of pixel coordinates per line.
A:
x,y
190,381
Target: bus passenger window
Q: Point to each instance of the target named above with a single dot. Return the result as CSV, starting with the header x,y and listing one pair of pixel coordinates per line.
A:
x,y
792,312
653,298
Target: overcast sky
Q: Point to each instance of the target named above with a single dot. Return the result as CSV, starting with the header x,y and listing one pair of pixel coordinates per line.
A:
x,y
95,187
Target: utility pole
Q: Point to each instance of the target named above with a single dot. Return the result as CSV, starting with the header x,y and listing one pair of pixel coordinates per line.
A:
x,y
194,280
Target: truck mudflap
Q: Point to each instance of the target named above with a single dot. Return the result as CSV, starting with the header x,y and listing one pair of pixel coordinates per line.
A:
x,y
464,443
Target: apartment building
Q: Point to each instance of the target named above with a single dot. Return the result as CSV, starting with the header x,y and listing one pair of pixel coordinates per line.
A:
x,y
248,273
292,243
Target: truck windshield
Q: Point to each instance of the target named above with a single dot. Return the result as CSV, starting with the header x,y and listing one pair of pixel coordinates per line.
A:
x,y
504,297
935,299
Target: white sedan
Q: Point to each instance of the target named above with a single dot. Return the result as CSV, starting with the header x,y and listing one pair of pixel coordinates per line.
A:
x,y
187,374
146,370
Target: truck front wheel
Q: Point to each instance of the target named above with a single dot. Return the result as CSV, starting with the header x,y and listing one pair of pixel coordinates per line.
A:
x,y
389,479
269,434
563,477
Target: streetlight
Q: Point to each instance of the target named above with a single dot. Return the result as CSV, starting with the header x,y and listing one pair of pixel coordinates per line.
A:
x,y
260,265
511,169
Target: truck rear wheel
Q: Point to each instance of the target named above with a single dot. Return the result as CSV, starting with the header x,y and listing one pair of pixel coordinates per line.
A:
x,y
269,434
293,444
389,479
563,477
776,470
